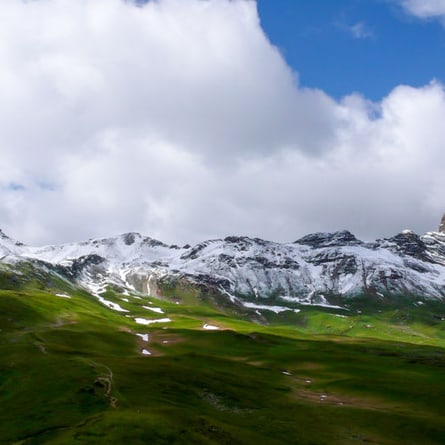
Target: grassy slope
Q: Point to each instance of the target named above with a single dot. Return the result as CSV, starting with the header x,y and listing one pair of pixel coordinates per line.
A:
x,y
72,372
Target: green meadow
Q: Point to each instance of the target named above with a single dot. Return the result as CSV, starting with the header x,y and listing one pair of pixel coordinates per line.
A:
x,y
73,371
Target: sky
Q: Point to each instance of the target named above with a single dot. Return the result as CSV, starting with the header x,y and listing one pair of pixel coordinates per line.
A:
x,y
187,120
366,46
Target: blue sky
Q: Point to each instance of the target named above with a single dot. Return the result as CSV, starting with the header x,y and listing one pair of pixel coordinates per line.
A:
x,y
344,46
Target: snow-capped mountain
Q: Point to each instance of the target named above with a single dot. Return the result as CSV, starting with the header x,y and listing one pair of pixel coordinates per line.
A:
x,y
319,268
9,247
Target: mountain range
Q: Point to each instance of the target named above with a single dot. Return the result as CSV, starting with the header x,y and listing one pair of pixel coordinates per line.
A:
x,y
323,269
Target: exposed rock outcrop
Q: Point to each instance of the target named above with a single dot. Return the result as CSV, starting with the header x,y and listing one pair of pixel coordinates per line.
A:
x,y
442,225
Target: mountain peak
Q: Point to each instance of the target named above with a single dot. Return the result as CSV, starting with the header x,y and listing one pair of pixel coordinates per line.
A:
x,y
130,237
8,246
327,239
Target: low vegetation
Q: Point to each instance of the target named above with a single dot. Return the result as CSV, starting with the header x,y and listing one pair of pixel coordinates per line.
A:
x,y
73,371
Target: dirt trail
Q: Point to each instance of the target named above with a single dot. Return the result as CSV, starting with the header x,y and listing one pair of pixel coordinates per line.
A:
x,y
104,380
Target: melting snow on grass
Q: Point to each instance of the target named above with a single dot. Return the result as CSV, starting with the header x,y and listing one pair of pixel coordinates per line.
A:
x,y
63,296
99,288
111,305
209,327
276,309
319,300
143,336
147,322
154,309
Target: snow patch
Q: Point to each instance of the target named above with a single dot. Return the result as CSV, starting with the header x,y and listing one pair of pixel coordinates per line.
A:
x,y
209,327
154,309
276,309
232,298
144,321
145,352
111,305
310,300
63,295
143,336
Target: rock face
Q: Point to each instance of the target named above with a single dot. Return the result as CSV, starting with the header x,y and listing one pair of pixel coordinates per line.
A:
x,y
442,225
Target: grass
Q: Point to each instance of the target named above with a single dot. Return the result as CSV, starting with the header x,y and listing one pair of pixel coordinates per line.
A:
x,y
72,372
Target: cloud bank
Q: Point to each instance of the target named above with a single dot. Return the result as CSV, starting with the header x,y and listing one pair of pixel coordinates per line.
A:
x,y
425,8
180,119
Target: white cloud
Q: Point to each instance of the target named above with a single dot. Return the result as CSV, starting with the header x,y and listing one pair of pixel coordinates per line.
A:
x,y
359,30
179,119
425,8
